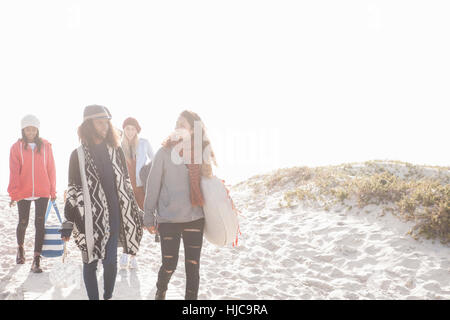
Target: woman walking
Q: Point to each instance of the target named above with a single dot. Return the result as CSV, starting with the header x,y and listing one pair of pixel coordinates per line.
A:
x,y
173,191
101,207
138,152
32,179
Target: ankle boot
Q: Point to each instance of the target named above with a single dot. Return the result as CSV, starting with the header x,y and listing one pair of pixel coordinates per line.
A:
x,y
20,258
163,280
191,295
35,267
160,295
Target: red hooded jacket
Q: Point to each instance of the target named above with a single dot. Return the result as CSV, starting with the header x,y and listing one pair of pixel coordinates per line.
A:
x,y
32,173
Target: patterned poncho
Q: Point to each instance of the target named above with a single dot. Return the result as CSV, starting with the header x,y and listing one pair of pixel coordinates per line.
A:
x,y
86,206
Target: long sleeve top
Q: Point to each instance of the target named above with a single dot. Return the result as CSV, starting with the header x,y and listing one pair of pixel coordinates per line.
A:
x,y
168,192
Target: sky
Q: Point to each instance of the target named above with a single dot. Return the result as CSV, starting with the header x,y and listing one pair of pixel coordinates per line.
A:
x,y
277,83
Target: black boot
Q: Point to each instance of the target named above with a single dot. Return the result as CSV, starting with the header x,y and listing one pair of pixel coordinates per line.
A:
x,y
20,258
191,295
163,280
35,267
160,295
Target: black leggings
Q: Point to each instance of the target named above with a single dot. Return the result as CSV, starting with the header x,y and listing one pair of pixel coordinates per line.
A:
x,y
192,233
39,223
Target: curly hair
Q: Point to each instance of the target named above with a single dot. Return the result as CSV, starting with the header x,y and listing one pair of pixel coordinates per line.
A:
x,y
87,132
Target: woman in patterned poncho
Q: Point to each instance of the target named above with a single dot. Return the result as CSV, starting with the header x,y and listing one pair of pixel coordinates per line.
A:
x,y
101,208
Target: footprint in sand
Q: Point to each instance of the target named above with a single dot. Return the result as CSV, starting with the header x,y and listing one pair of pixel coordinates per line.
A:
x,y
218,291
362,278
297,257
265,235
176,282
442,276
271,246
366,261
288,263
411,263
283,287
247,296
385,285
253,279
257,271
295,239
402,243
336,273
267,293
351,296
347,251
391,273
325,258
255,208
413,298
225,274
376,237
432,286
297,270
315,284
280,226
372,250
353,240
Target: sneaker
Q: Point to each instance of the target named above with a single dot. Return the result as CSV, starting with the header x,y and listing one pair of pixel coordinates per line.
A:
x,y
20,258
124,261
133,262
35,267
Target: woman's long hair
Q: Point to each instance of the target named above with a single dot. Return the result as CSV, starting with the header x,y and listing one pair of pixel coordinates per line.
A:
x,y
36,140
130,147
87,132
193,117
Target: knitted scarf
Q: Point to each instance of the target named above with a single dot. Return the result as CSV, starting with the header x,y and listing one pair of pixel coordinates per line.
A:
x,y
195,172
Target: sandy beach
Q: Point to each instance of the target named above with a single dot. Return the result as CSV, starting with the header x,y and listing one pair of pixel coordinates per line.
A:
x,y
299,252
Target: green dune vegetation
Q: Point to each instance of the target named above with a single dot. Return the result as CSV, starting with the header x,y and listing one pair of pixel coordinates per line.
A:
x,y
417,193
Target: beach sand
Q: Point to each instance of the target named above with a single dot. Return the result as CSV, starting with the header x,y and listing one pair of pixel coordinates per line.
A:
x,y
302,252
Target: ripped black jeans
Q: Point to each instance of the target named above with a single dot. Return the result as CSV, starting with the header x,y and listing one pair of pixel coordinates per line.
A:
x,y
39,223
192,234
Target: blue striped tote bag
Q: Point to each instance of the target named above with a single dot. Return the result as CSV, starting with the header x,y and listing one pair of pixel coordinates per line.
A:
x,y
53,244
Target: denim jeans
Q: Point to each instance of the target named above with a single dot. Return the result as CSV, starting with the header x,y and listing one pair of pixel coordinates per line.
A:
x,y
109,271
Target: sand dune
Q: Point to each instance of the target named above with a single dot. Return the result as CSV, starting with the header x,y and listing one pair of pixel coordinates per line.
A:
x,y
303,252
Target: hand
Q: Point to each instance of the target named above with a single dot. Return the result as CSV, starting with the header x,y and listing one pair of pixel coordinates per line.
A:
x,y
65,234
180,133
12,203
152,229
53,199
206,170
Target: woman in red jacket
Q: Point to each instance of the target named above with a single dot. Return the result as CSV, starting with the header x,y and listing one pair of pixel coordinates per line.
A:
x,y
32,178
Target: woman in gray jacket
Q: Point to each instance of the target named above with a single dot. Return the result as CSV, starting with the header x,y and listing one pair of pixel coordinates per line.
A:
x,y
174,201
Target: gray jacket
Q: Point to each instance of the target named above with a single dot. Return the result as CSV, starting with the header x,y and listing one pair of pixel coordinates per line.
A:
x,y
168,192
